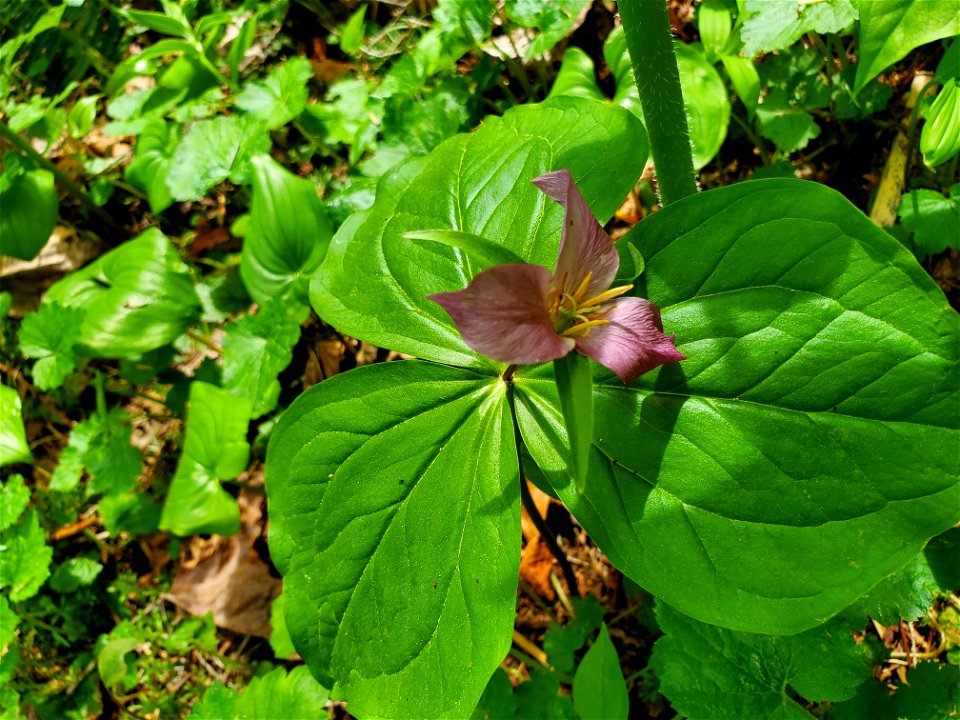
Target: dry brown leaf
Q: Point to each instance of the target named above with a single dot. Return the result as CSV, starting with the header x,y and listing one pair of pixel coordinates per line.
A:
x,y
536,564
542,502
227,576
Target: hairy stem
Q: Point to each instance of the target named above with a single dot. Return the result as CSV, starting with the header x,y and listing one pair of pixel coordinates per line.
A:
x,y
646,26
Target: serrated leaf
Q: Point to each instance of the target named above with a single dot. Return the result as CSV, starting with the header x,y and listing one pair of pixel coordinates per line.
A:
x,y
374,282
256,348
560,642
13,436
213,151
933,219
50,335
14,498
930,695
276,694
789,126
709,672
807,444
281,96
24,558
394,494
288,234
777,24
599,690
137,297
892,28
8,626
75,573
215,448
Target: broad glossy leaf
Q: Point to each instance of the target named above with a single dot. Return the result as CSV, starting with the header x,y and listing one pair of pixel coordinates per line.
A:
x,y
889,29
278,694
13,437
288,233
706,99
483,253
714,21
708,672
152,161
940,137
807,447
599,690
280,96
746,81
30,208
575,389
374,282
395,520
576,76
256,348
24,557
215,449
213,151
777,24
137,297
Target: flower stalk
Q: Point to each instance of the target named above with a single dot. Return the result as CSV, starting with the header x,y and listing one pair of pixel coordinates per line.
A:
x,y
646,26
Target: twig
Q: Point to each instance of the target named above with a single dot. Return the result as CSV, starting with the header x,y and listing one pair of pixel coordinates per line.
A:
x,y
530,649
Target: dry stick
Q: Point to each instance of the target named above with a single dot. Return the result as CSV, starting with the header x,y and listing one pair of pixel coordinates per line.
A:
x,y
530,649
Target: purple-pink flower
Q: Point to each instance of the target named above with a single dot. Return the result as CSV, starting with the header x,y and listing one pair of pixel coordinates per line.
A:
x,y
524,314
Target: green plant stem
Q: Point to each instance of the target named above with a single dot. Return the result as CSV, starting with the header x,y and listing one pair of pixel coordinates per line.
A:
x,y
69,185
531,506
646,26
753,137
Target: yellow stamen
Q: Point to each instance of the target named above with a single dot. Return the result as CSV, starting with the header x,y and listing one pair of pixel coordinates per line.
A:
x,y
582,327
607,295
579,292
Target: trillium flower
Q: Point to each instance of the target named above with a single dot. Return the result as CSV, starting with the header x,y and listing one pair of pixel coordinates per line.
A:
x,y
524,314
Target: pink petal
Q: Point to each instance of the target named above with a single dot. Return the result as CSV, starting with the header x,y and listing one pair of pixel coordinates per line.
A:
x,y
633,342
503,314
584,246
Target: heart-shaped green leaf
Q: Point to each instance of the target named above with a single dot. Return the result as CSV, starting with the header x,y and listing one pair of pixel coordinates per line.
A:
x,y
30,207
395,520
374,282
807,447
137,297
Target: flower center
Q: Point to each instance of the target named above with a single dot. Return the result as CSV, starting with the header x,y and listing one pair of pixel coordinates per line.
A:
x,y
574,315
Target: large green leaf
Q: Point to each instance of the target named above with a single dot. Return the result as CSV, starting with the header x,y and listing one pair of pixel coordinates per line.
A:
x,y
137,297
708,672
889,29
30,207
807,447
705,97
374,282
288,235
14,447
395,520
276,694
153,160
215,449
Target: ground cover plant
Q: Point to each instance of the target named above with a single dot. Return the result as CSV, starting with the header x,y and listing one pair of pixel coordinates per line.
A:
x,y
480,359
